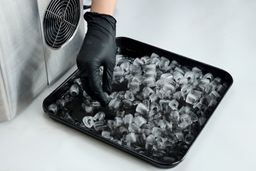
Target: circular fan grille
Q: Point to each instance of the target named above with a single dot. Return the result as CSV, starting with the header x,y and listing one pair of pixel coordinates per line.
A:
x,y
60,21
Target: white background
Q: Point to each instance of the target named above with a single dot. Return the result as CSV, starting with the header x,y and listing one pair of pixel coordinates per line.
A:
x,y
220,32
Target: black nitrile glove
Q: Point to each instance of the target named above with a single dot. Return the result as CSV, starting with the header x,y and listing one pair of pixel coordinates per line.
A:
x,y
98,49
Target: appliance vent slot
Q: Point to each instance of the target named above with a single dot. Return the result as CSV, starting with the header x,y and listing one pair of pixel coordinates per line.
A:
x,y
60,21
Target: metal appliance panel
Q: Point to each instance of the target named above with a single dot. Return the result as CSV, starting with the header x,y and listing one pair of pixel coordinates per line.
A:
x,y
22,63
4,108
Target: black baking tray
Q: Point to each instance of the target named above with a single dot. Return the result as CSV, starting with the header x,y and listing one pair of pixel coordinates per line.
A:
x,y
133,48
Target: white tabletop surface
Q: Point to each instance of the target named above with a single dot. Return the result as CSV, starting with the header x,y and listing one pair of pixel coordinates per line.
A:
x,y
221,33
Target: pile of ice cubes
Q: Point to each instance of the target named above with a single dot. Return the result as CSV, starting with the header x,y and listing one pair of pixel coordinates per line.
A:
x,y
158,113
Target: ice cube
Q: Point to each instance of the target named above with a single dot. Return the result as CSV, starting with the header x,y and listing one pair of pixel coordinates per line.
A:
x,y
166,75
174,104
190,76
113,95
160,93
99,116
169,125
184,110
221,89
205,81
146,132
146,102
170,80
193,116
146,60
134,85
87,109
106,134
99,125
174,116
161,143
139,120
53,109
125,66
128,77
177,76
118,122
150,74
147,91
155,60
110,124
61,103
177,95
198,72
169,87
123,130
154,55
215,94
150,67
162,124
119,59
164,105
129,96
156,132
131,138
217,80
174,64
189,138
194,97
164,62
206,87
155,107
114,104
208,76
134,127
74,90
185,120
142,109
78,82
135,70
160,83
195,70
118,74
67,97
198,105
85,95
153,97
138,62
213,102
185,89
202,120
88,121
150,139
179,135
95,105
180,70
68,117
120,113
150,81
127,104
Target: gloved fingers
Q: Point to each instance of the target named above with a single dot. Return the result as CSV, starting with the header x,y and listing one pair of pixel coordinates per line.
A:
x,y
108,76
92,84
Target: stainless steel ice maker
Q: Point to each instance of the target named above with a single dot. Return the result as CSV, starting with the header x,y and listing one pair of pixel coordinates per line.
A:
x,y
27,62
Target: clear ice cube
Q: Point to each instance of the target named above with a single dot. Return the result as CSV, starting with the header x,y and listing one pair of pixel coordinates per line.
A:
x,y
142,109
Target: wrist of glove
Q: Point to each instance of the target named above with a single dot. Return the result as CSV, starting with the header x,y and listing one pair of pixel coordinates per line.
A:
x,y
98,49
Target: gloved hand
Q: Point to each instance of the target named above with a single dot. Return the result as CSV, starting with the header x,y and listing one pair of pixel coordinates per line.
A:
x,y
98,49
